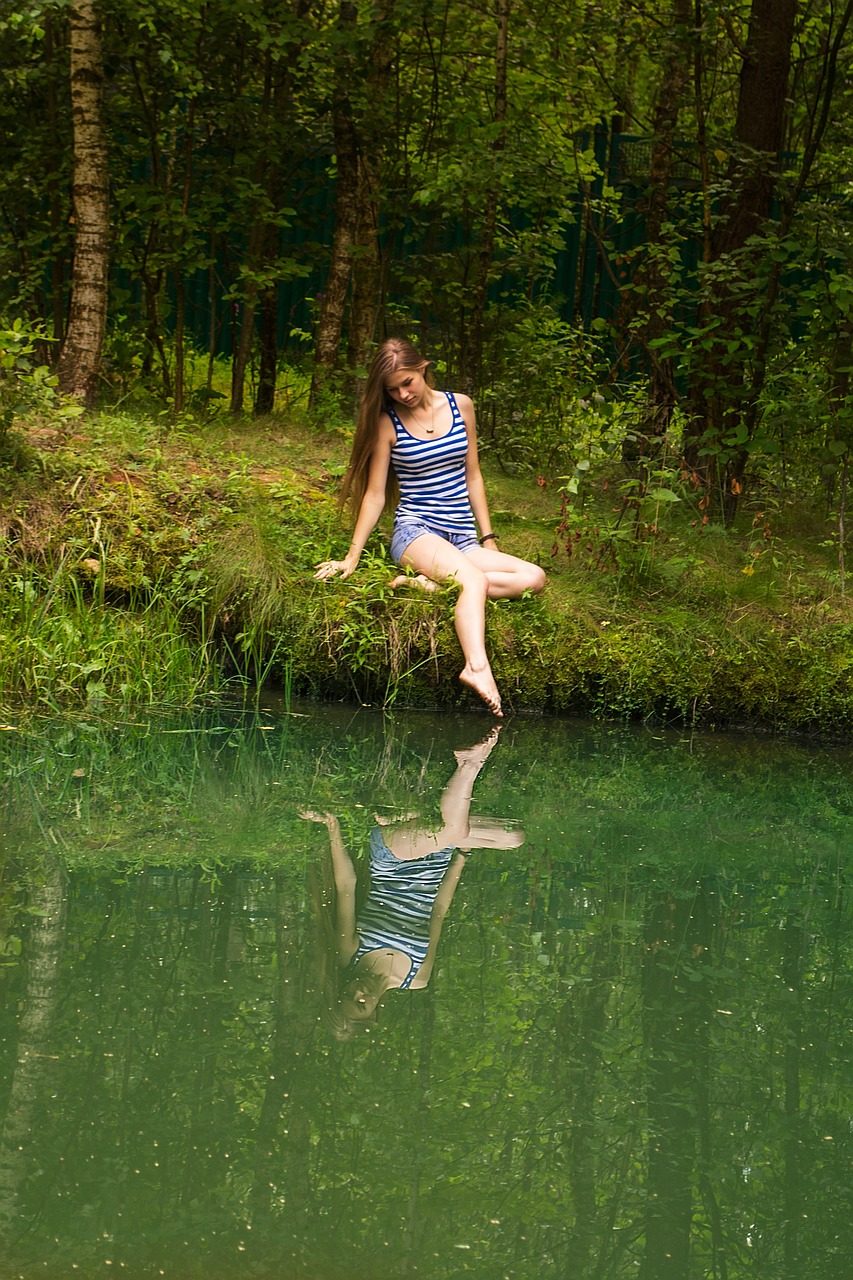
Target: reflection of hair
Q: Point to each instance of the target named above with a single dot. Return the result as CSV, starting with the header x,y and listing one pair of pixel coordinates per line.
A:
x,y
332,978
394,354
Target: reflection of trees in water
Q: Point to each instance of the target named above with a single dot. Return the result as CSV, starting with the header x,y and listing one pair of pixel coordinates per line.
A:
x,y
793,948
32,1073
520,1092
580,1025
282,1203
677,1012
569,1101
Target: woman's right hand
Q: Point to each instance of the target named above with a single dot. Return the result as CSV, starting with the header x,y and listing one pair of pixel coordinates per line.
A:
x,y
330,568
314,815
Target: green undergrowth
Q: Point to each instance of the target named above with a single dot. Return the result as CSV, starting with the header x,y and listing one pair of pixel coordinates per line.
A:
x,y
149,563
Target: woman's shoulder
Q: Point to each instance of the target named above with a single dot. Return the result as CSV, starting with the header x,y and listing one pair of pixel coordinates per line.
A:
x,y
465,405
385,428
464,402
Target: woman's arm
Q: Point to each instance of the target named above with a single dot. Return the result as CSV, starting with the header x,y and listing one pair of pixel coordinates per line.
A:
x,y
372,504
440,907
344,876
473,474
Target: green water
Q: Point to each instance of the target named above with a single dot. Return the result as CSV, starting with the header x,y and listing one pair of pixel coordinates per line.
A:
x,y
631,1059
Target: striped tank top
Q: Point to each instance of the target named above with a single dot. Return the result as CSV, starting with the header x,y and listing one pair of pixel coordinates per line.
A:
x,y
431,475
398,909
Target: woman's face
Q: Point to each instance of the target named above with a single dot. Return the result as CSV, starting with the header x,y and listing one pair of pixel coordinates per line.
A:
x,y
358,1001
407,387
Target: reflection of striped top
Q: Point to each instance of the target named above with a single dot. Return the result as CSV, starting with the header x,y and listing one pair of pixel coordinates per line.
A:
x,y
398,908
431,474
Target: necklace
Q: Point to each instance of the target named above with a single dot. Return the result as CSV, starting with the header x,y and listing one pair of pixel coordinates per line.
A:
x,y
430,430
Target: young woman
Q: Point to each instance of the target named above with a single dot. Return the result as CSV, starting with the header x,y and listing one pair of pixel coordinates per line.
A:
x,y
390,943
421,444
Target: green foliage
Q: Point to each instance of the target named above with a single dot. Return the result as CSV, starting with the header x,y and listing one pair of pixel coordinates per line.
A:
x,y
61,645
540,375
27,386
202,539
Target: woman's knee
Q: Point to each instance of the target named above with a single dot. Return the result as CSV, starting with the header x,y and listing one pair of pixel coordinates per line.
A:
x,y
536,578
527,577
472,579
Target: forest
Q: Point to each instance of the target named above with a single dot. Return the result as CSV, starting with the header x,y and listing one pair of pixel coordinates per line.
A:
x,y
623,226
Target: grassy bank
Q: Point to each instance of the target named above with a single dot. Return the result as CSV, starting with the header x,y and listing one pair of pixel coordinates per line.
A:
x,y
150,562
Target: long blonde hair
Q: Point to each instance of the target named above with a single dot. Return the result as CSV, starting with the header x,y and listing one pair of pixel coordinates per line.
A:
x,y
393,355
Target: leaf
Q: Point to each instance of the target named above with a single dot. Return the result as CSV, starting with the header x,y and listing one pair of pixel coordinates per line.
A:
x,y
662,495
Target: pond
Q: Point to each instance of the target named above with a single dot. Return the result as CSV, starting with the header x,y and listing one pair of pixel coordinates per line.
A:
x,y
610,1039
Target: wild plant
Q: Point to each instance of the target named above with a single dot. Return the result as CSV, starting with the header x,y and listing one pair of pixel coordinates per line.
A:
x,y
27,384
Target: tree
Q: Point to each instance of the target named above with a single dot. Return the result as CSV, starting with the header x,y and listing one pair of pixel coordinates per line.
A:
x,y
44,951
362,66
80,358
651,287
473,351
721,385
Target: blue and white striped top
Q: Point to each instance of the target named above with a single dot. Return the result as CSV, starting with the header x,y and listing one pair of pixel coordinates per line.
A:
x,y
431,475
398,909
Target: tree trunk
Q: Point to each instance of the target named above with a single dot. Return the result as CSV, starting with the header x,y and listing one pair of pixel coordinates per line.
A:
x,y
654,273
265,236
472,353
254,260
364,299
842,437
180,333
358,133
820,115
240,357
759,136
180,289
333,306
44,951
283,79
212,323
80,358
268,367
151,286
760,124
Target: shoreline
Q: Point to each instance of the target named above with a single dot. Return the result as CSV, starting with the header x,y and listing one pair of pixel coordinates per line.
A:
x,y
145,568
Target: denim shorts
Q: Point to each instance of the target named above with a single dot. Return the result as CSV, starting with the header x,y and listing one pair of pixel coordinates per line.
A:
x,y
410,527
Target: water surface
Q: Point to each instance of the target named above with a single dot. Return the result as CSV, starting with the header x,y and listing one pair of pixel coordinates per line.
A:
x,y
631,1057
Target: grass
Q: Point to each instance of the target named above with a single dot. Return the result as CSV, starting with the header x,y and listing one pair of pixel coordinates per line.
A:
x,y
149,561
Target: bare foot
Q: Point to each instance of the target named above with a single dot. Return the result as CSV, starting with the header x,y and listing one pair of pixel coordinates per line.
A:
x,y
479,753
483,683
417,580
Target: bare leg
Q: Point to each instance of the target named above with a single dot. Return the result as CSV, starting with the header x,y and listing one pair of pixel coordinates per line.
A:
x,y
410,840
437,560
508,576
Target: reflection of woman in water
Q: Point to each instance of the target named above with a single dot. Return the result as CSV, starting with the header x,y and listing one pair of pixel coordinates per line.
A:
x,y
414,872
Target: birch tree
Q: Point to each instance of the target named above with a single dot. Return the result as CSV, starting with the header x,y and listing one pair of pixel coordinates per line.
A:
x,y
80,357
